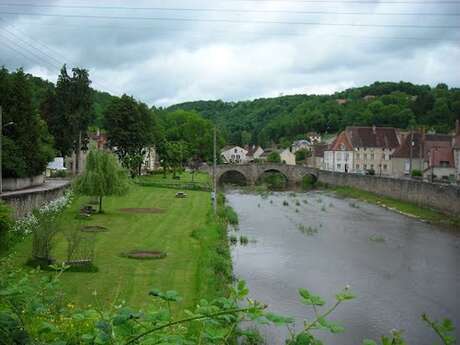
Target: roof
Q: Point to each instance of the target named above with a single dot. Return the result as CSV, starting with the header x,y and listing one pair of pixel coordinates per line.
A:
x,y
381,137
342,138
231,147
301,142
441,154
403,151
318,150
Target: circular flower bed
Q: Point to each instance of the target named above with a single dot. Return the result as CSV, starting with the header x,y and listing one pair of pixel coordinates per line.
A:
x,y
94,228
145,254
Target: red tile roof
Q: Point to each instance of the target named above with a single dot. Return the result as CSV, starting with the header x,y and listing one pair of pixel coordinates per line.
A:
x,y
381,137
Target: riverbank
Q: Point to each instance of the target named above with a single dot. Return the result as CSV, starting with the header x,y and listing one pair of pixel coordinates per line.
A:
x,y
403,207
197,262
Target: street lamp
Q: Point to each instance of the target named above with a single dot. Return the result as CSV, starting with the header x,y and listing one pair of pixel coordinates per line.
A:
x,y
1,135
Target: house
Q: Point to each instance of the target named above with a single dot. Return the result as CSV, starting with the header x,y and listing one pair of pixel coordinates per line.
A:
x,y
254,152
151,161
409,155
287,157
317,159
363,149
314,137
369,98
439,157
341,101
339,155
456,150
55,167
301,145
234,155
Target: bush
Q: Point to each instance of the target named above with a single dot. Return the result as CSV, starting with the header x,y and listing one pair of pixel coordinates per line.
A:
x,y
274,157
308,181
416,173
6,223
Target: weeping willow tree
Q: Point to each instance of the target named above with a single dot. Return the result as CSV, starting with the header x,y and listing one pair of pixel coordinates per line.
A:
x,y
103,176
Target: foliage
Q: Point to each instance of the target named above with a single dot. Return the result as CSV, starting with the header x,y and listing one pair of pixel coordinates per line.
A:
x,y
416,173
302,154
308,181
102,177
130,129
286,118
27,145
68,110
5,225
274,180
46,228
274,157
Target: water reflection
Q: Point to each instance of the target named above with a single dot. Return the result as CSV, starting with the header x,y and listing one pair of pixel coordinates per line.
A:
x,y
397,266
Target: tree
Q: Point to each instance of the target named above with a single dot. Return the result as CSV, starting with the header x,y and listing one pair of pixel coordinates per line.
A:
x,y
130,130
302,154
274,157
68,111
172,154
27,145
103,176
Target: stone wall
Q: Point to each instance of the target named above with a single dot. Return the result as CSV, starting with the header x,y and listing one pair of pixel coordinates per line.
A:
x,y
445,198
24,202
10,184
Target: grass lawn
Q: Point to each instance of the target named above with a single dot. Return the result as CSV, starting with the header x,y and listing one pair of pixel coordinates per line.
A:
x,y
187,231
405,207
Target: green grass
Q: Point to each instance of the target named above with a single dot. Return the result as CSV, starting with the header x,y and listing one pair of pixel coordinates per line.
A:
x,y
427,214
200,181
197,265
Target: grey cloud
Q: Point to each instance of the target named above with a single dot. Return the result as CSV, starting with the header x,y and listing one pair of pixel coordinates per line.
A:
x,y
164,62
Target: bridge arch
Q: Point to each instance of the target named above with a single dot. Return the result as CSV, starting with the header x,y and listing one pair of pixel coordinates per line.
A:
x,y
270,174
233,176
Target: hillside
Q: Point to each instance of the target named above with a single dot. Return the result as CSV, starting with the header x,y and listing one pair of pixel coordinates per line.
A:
x,y
282,119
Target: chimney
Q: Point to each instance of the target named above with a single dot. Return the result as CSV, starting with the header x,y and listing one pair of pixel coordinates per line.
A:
x,y
373,129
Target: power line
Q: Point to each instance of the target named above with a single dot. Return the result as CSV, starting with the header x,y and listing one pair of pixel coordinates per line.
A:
x,y
59,63
257,33
219,10
233,21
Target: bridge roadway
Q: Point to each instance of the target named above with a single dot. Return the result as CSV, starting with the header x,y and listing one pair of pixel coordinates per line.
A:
x,y
252,172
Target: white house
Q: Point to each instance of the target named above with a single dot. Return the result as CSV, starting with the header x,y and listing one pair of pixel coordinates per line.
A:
x,y
234,155
301,145
287,157
254,152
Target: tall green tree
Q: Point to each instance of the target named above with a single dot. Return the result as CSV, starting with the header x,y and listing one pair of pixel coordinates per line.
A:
x,y
68,110
130,129
102,177
27,145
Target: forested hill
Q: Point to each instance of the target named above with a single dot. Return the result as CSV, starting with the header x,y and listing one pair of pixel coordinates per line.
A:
x,y
285,118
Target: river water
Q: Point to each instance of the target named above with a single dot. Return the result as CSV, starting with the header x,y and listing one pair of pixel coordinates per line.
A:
x,y
398,267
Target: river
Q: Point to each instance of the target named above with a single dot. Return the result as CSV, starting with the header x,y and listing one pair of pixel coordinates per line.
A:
x,y
398,267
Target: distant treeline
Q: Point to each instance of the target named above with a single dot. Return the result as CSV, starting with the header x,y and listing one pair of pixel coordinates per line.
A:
x,y
282,119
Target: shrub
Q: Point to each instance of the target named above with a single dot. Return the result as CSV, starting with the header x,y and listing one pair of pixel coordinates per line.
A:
x,y
274,157
308,181
5,225
416,173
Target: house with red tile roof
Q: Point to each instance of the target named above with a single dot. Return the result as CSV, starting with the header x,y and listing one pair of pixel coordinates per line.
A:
x,y
363,149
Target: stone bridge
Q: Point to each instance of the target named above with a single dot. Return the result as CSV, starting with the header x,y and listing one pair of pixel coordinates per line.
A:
x,y
253,172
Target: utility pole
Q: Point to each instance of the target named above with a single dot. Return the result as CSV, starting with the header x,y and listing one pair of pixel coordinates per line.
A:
x,y
214,182
411,144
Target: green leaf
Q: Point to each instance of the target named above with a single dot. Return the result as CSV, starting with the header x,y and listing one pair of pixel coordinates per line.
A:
x,y
304,293
369,342
279,319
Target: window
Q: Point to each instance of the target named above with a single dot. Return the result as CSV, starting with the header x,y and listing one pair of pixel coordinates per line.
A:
x,y
233,156
357,166
357,156
339,156
339,166
365,156
372,156
236,150
385,167
365,166
346,156
238,157
444,164
372,166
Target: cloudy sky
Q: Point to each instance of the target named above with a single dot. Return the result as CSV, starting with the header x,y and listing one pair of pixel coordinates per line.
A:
x,y
165,52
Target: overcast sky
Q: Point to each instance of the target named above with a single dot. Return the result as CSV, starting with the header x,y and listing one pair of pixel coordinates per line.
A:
x,y
240,50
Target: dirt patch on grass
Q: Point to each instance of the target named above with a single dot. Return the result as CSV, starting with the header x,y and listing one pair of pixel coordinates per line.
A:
x,y
145,254
94,228
142,210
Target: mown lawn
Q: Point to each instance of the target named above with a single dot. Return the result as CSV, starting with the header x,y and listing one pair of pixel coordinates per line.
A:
x,y
186,231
